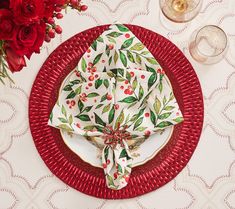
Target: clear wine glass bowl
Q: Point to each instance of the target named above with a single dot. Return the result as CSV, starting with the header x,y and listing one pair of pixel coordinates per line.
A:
x,y
180,10
208,45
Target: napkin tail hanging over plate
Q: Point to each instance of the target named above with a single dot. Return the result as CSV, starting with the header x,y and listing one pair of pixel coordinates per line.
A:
x,y
116,158
118,86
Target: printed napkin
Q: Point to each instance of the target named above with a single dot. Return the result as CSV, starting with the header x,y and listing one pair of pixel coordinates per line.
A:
x,y
118,92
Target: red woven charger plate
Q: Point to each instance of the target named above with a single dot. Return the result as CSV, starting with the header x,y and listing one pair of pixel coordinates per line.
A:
x,y
145,178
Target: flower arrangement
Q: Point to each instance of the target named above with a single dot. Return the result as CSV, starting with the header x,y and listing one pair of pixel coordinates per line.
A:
x,y
24,26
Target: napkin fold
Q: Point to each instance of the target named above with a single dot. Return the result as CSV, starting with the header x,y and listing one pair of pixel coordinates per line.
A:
x,y
118,92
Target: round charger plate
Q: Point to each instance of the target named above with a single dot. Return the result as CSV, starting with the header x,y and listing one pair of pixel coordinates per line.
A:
x,y
88,179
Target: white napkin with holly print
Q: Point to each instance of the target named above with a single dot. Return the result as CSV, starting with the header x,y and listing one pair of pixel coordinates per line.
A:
x,y
118,92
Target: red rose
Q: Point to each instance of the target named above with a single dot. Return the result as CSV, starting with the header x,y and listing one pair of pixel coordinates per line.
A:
x,y
15,62
6,24
27,11
28,39
4,4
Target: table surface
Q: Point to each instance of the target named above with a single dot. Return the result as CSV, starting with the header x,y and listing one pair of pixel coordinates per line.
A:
x,y
207,182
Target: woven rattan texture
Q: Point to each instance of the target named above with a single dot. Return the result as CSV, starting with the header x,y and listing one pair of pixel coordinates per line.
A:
x,y
145,178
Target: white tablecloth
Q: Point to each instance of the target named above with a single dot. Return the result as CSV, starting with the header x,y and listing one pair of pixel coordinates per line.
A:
x,y
207,182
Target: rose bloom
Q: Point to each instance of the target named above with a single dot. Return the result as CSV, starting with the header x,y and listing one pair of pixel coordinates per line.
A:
x,y
28,39
27,11
15,62
7,25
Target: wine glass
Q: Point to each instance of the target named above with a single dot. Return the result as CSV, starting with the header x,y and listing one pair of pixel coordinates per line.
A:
x,y
208,45
180,10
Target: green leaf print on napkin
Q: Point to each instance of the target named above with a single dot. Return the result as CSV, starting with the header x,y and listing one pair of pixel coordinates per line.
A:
x,y
117,92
